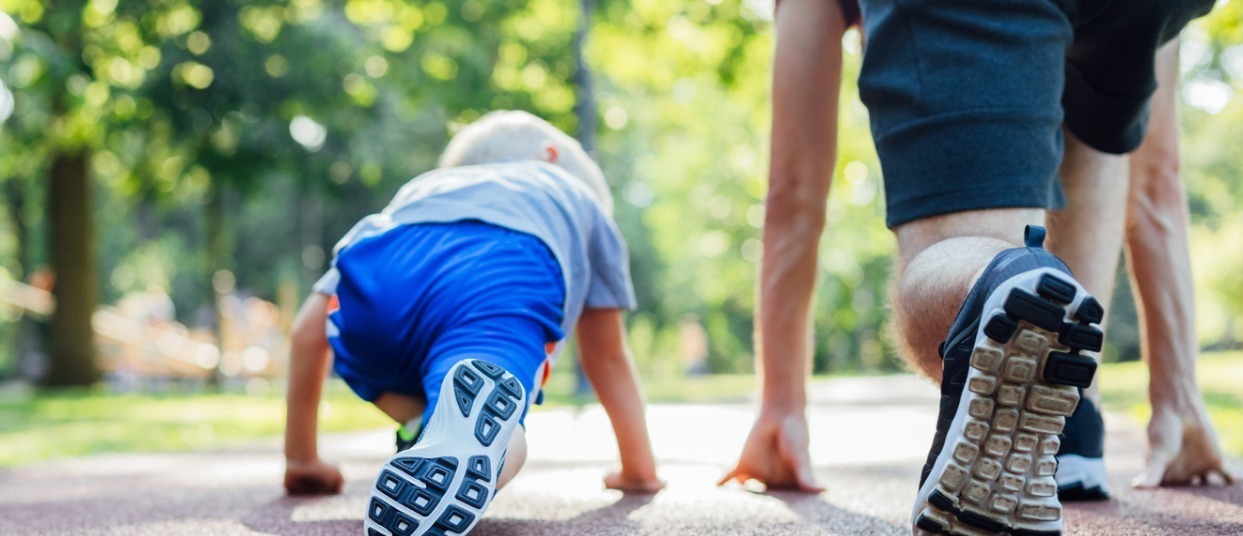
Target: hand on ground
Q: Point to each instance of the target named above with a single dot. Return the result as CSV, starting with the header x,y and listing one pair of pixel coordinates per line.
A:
x,y
1182,450
776,453
622,481
312,478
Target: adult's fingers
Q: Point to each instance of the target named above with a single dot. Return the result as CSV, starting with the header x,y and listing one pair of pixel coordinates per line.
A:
x,y
1219,476
1154,474
804,478
1230,478
797,457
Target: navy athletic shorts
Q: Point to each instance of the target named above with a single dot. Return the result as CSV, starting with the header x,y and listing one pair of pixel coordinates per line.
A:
x,y
967,98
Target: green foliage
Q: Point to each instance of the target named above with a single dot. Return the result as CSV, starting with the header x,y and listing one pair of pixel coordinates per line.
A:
x,y
61,424
79,422
1124,388
249,136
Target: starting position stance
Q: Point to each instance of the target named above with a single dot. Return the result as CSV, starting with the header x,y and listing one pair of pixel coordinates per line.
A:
x,y
448,309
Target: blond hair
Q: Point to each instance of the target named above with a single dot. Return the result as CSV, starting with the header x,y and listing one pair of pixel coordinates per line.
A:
x,y
514,135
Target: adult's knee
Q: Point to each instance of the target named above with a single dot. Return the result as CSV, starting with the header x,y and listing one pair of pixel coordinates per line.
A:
x,y
1005,225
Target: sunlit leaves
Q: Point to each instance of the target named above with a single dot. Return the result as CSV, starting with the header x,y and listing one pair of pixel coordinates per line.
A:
x,y
194,74
276,66
264,24
178,20
439,66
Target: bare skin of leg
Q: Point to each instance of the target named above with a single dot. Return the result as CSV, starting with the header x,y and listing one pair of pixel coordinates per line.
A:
x,y
1087,233
1182,447
939,259
402,408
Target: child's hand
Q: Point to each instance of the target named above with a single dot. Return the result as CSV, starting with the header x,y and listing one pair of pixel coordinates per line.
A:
x,y
623,481
312,478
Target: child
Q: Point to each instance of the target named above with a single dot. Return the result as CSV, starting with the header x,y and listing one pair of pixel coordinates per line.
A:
x,y
448,309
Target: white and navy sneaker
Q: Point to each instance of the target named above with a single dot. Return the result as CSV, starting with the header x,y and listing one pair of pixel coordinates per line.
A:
x,y
1012,368
444,483
1081,474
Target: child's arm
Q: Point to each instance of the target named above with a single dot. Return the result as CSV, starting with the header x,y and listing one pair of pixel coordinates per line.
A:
x,y
308,365
608,365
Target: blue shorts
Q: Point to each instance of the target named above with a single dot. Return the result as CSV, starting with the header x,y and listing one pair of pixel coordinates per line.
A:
x,y
417,299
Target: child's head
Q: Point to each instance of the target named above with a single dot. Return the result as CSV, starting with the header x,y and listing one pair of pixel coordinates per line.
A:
x,y
508,136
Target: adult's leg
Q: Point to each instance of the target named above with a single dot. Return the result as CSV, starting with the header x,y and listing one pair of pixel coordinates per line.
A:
x,y
936,253
1181,442
939,259
1087,233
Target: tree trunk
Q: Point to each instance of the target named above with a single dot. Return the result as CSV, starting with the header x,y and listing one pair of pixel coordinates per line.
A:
x,y
585,111
15,194
23,340
71,345
585,104
221,280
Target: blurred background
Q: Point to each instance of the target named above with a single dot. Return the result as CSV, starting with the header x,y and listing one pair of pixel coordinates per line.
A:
x,y
174,174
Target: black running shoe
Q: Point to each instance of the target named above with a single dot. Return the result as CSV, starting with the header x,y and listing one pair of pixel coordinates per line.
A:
x,y
444,483
1081,474
1012,366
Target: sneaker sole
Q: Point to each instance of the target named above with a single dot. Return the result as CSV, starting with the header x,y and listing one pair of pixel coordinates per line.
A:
x,y
1081,479
444,483
995,474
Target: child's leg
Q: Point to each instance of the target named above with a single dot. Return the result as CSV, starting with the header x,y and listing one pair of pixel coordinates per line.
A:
x,y
401,408
405,408
515,457
445,482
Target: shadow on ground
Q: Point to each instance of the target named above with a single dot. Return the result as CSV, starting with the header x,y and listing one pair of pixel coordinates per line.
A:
x,y
876,449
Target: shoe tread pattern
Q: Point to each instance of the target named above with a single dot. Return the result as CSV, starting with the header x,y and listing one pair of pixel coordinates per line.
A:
x,y
1022,387
424,485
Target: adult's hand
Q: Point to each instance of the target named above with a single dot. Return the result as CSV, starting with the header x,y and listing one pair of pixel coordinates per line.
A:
x,y
776,454
1182,450
806,82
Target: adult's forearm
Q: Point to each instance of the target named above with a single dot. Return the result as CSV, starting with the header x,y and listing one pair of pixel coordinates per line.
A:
x,y
1158,248
787,283
806,83
1157,244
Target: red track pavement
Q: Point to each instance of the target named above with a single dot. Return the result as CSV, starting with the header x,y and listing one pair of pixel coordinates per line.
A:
x,y
869,437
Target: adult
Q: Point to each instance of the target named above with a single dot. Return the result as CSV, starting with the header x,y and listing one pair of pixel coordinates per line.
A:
x,y
968,165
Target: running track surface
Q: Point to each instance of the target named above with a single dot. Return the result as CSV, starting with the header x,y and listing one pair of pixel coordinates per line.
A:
x,y
869,437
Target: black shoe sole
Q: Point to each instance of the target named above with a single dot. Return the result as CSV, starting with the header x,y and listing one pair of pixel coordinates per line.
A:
x,y
995,474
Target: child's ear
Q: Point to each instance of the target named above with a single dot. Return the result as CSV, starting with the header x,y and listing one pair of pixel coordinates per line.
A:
x,y
550,153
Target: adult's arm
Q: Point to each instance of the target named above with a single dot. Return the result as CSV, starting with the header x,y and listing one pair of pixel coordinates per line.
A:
x,y
1182,447
806,84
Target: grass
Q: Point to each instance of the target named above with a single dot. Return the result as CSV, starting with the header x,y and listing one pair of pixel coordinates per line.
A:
x,y
1124,387
43,426
667,388
76,423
